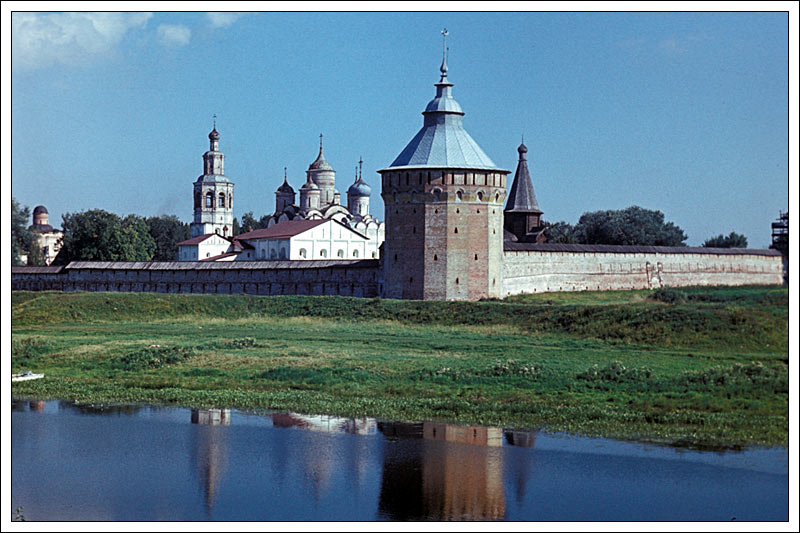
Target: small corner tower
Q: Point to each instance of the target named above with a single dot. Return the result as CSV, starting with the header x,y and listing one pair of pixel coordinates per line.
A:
x,y
213,193
522,216
444,210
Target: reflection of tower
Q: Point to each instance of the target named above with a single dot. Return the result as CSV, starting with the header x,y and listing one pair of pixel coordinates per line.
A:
x,y
210,454
37,405
440,478
524,439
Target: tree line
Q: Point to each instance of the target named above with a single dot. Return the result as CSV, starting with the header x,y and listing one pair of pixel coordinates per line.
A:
x,y
631,226
99,235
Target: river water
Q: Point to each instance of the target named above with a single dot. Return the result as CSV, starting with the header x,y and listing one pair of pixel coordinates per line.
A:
x,y
86,463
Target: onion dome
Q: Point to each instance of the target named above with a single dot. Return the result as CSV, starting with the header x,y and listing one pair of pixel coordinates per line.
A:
x,y
320,163
359,188
285,188
214,135
309,186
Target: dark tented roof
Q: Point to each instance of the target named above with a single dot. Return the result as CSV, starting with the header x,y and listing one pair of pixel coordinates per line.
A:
x,y
522,198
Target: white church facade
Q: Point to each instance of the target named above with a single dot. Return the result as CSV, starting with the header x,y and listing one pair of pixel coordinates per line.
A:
x,y
315,227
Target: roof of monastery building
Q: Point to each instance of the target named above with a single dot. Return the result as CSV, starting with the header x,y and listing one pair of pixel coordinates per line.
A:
x,y
282,230
443,141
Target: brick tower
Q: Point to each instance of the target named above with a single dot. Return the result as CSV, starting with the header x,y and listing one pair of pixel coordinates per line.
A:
x,y
444,210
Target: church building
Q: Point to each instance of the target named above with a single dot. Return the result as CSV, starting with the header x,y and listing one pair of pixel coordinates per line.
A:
x,y
319,199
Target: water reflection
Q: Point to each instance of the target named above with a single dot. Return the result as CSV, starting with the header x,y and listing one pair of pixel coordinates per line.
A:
x,y
220,464
437,481
210,450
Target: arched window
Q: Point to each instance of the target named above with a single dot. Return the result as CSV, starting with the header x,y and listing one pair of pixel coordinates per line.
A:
x,y
459,196
480,196
263,253
355,253
323,253
303,253
283,252
340,253
221,200
209,200
273,254
230,201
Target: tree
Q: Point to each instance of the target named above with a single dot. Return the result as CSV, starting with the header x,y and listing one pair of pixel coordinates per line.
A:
x,y
237,229
734,240
167,231
98,235
250,223
23,240
561,233
632,226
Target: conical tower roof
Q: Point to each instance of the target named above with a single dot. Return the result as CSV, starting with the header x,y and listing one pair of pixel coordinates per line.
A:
x,y
522,199
443,141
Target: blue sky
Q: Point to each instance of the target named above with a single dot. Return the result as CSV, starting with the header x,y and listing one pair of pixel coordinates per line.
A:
x,y
686,113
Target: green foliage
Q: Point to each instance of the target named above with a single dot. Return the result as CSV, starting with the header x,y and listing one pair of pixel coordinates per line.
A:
x,y
668,295
167,231
250,223
632,226
23,240
753,374
26,352
615,372
154,357
561,233
98,235
613,363
734,240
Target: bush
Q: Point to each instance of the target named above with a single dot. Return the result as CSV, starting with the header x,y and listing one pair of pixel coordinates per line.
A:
x,y
155,357
668,296
615,372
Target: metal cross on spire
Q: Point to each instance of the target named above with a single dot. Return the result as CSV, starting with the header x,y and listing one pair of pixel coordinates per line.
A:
x,y
284,174
360,161
215,121
320,143
443,68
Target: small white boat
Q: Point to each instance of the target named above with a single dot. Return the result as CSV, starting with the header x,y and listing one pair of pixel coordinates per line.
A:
x,y
25,376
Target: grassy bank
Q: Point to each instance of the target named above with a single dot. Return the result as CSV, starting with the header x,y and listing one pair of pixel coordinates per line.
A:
x,y
700,366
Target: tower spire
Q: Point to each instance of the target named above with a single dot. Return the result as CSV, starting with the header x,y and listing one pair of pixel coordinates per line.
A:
x,y
443,68
360,161
320,143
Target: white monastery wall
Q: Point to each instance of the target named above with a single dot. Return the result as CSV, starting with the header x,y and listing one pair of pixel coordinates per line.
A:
x,y
526,271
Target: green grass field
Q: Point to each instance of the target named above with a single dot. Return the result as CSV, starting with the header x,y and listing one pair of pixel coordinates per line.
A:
x,y
704,367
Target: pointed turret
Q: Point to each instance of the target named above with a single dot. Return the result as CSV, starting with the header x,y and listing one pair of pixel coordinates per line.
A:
x,y
522,216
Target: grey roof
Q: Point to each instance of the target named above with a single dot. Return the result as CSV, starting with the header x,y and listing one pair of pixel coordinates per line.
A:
x,y
510,246
359,188
227,265
320,163
443,141
522,198
36,269
39,209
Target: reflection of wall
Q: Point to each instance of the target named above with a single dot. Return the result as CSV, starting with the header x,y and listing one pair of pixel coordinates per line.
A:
x,y
320,456
211,417
210,453
326,423
440,480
